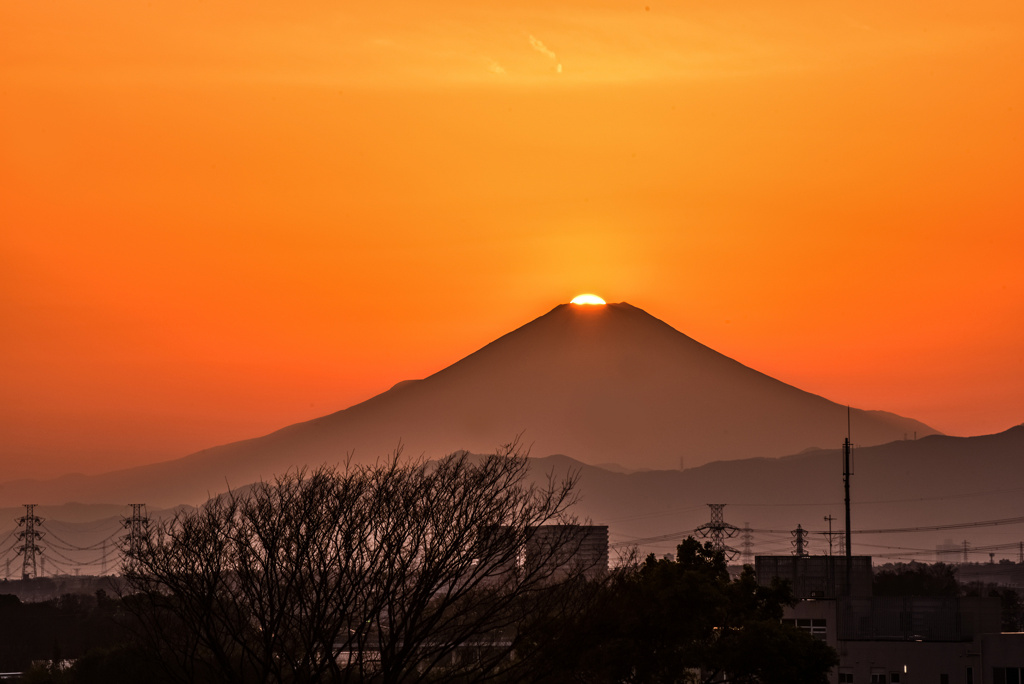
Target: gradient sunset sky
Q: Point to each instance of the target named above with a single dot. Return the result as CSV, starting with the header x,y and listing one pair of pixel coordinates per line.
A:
x,y
220,218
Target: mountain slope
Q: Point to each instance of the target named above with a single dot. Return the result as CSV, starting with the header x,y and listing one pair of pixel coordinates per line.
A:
x,y
601,384
607,384
934,481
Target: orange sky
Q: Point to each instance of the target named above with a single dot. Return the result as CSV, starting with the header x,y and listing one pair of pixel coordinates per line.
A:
x,y
219,218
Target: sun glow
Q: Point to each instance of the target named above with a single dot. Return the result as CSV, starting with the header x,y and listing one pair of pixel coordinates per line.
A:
x,y
588,299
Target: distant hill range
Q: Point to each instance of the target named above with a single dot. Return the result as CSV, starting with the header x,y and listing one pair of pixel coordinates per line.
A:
x,y
602,385
938,489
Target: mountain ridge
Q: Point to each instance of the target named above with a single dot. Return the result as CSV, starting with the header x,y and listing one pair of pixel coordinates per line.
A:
x,y
608,384
933,481
937,480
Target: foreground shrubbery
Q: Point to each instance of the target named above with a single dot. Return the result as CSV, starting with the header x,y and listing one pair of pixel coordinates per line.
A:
x,y
684,620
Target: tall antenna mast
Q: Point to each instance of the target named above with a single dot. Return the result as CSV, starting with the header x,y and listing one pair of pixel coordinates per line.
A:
x,y
847,449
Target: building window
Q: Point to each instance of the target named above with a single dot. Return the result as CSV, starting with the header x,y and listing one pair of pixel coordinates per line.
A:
x,y
878,678
845,678
1008,675
894,678
970,675
943,679
818,627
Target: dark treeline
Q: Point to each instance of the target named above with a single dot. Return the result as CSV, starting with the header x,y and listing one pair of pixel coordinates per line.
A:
x,y
941,579
85,638
40,589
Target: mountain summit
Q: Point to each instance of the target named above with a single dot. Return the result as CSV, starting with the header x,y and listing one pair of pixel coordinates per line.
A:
x,y
606,384
601,384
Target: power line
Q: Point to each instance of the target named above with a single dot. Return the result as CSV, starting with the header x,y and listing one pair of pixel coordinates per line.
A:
x,y
682,534
962,495
71,547
952,526
81,527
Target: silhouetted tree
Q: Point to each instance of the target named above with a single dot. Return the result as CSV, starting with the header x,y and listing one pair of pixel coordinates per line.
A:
x,y
66,627
1011,607
684,620
392,573
916,579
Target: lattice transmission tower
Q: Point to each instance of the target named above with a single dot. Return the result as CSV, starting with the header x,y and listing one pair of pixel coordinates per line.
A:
x,y
28,538
747,544
138,528
717,531
799,541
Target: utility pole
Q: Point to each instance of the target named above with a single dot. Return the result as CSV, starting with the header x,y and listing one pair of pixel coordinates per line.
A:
x,y
718,531
28,538
829,535
831,565
799,541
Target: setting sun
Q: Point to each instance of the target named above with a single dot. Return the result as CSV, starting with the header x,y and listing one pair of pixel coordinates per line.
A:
x,y
588,299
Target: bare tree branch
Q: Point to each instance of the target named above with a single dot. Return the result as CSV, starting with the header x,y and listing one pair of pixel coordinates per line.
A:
x,y
400,572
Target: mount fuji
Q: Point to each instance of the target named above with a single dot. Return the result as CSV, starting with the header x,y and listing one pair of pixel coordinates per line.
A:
x,y
607,384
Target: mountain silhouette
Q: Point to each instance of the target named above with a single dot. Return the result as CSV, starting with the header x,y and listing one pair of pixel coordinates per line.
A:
x,y
916,486
910,495
600,384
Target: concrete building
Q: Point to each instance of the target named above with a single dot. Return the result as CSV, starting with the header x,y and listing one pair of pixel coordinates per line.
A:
x,y
569,547
896,639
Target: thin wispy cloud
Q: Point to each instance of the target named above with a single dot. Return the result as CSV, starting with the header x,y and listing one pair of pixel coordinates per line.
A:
x,y
540,47
543,49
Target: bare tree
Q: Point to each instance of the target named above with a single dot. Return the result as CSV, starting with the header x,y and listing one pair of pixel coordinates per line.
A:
x,y
392,573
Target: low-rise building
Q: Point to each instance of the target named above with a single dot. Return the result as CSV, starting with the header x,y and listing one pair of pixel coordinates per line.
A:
x,y
896,639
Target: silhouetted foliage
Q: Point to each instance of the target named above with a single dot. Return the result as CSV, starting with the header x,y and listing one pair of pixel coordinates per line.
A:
x,y
64,628
940,579
1010,604
391,573
917,579
684,620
